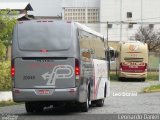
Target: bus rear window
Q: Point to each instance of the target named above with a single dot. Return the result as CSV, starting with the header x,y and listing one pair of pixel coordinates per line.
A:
x,y
129,59
49,36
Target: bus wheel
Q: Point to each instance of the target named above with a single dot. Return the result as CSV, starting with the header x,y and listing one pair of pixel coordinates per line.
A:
x,y
32,107
143,79
29,107
85,106
100,103
39,109
120,78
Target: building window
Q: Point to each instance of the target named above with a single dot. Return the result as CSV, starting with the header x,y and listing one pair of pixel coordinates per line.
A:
x,y
109,25
130,25
129,14
151,26
79,14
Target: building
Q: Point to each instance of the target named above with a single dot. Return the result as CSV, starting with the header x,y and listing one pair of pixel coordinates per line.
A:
x,y
21,9
124,17
138,12
83,11
96,13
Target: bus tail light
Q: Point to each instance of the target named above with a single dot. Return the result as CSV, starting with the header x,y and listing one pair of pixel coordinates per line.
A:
x,y
43,50
120,67
12,70
146,67
77,69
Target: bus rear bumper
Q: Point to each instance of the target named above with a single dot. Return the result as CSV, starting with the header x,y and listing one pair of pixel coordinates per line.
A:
x,y
23,95
133,75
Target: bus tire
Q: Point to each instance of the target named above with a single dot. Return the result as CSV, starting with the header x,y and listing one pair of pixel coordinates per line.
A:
x,y
105,91
29,107
120,78
100,103
85,106
143,79
38,109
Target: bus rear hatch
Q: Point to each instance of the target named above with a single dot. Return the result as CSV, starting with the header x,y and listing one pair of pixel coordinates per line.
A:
x,y
44,72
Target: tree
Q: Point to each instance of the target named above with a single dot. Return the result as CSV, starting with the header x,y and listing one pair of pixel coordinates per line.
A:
x,y
6,27
150,36
2,51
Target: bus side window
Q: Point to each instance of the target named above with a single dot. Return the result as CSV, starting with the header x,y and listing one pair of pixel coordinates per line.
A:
x,y
111,55
92,52
86,55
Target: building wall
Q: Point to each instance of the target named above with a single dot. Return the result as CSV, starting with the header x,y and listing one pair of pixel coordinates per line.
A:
x,y
83,11
142,11
109,10
81,3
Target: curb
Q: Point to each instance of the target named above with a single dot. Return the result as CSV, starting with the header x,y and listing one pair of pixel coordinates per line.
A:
x,y
149,91
5,96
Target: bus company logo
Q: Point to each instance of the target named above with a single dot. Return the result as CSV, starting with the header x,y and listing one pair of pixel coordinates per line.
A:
x,y
133,47
58,72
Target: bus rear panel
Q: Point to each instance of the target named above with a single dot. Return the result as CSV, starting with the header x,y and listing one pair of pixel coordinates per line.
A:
x,y
133,60
43,62
50,66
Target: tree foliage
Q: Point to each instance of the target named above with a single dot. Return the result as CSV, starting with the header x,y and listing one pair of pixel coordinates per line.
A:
x,y
2,51
5,77
150,36
7,22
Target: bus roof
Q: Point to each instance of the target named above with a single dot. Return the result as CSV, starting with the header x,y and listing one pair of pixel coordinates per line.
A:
x,y
139,42
87,29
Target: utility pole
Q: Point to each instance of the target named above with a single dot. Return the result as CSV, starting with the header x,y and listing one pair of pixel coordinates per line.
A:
x,y
141,17
108,61
141,12
86,11
120,20
107,36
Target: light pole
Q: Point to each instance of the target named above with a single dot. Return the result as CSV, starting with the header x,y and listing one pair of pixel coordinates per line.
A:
x,y
120,20
86,11
141,12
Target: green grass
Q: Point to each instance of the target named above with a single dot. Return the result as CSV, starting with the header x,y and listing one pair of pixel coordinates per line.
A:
x,y
7,103
113,76
152,76
153,61
152,88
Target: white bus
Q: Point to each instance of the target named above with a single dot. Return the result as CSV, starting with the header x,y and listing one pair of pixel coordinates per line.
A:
x,y
58,62
132,60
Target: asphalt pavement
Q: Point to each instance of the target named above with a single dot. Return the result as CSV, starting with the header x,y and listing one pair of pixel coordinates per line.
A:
x,y
125,98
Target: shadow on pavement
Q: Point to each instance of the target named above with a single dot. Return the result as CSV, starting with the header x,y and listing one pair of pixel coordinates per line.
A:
x,y
63,110
131,80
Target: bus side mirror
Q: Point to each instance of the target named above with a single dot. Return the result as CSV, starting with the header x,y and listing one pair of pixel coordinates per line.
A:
x,y
111,55
116,54
107,54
